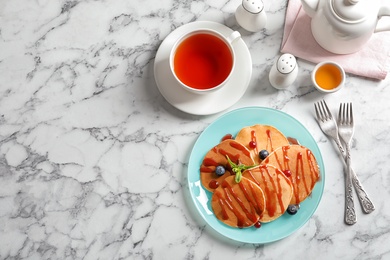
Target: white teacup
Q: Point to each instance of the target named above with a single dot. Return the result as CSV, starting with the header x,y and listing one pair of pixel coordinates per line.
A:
x,y
202,60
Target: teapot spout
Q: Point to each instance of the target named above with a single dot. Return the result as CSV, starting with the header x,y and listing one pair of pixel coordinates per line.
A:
x,y
310,7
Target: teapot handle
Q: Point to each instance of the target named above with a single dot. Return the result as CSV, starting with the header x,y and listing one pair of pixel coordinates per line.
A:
x,y
383,11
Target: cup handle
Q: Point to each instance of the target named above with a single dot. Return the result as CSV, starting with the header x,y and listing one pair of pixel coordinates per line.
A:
x,y
233,37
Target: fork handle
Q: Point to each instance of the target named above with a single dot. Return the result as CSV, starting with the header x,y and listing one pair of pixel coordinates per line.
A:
x,y
350,215
364,200
341,149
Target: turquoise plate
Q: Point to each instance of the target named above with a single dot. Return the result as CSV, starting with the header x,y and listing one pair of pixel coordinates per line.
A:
x,y
231,123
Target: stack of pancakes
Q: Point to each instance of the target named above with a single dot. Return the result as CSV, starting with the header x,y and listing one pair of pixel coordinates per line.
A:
x,y
287,176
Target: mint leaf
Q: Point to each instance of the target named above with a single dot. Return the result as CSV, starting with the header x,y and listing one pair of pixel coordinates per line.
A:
x,y
238,169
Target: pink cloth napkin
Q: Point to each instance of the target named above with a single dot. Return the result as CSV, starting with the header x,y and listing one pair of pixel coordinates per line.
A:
x,y
372,61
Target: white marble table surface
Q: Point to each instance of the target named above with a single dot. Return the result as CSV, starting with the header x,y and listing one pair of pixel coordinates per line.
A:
x,y
93,159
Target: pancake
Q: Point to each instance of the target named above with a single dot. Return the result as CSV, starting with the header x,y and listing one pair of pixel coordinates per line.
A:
x,y
277,190
238,204
237,153
265,137
302,166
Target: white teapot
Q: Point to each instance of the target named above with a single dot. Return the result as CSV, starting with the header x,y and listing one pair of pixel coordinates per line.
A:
x,y
344,26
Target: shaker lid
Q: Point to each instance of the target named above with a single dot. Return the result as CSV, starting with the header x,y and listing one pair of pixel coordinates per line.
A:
x,y
253,6
353,10
286,63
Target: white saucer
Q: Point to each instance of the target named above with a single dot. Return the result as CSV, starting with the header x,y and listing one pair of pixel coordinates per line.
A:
x,y
202,104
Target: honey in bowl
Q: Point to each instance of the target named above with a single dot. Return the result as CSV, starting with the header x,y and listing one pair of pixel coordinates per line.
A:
x,y
203,61
328,77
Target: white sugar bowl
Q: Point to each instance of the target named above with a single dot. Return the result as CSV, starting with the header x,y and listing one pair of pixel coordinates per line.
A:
x,y
251,15
284,71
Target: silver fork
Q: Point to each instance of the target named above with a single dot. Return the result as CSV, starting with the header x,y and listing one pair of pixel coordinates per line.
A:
x,y
346,130
329,127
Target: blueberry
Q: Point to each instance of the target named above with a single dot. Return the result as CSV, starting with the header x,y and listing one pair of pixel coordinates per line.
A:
x,y
220,170
292,209
263,154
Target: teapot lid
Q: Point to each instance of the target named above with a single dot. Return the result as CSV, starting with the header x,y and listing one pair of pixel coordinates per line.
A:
x,y
352,10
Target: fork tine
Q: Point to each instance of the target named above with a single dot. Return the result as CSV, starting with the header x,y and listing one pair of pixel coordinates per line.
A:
x,y
326,110
350,114
317,113
320,111
345,114
341,114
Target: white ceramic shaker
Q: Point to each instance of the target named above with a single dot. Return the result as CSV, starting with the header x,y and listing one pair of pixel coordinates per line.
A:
x,y
284,71
251,15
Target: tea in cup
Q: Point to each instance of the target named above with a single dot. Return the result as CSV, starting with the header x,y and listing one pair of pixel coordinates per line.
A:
x,y
328,76
203,60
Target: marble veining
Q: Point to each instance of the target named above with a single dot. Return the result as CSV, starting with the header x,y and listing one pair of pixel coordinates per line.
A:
x,y
93,159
